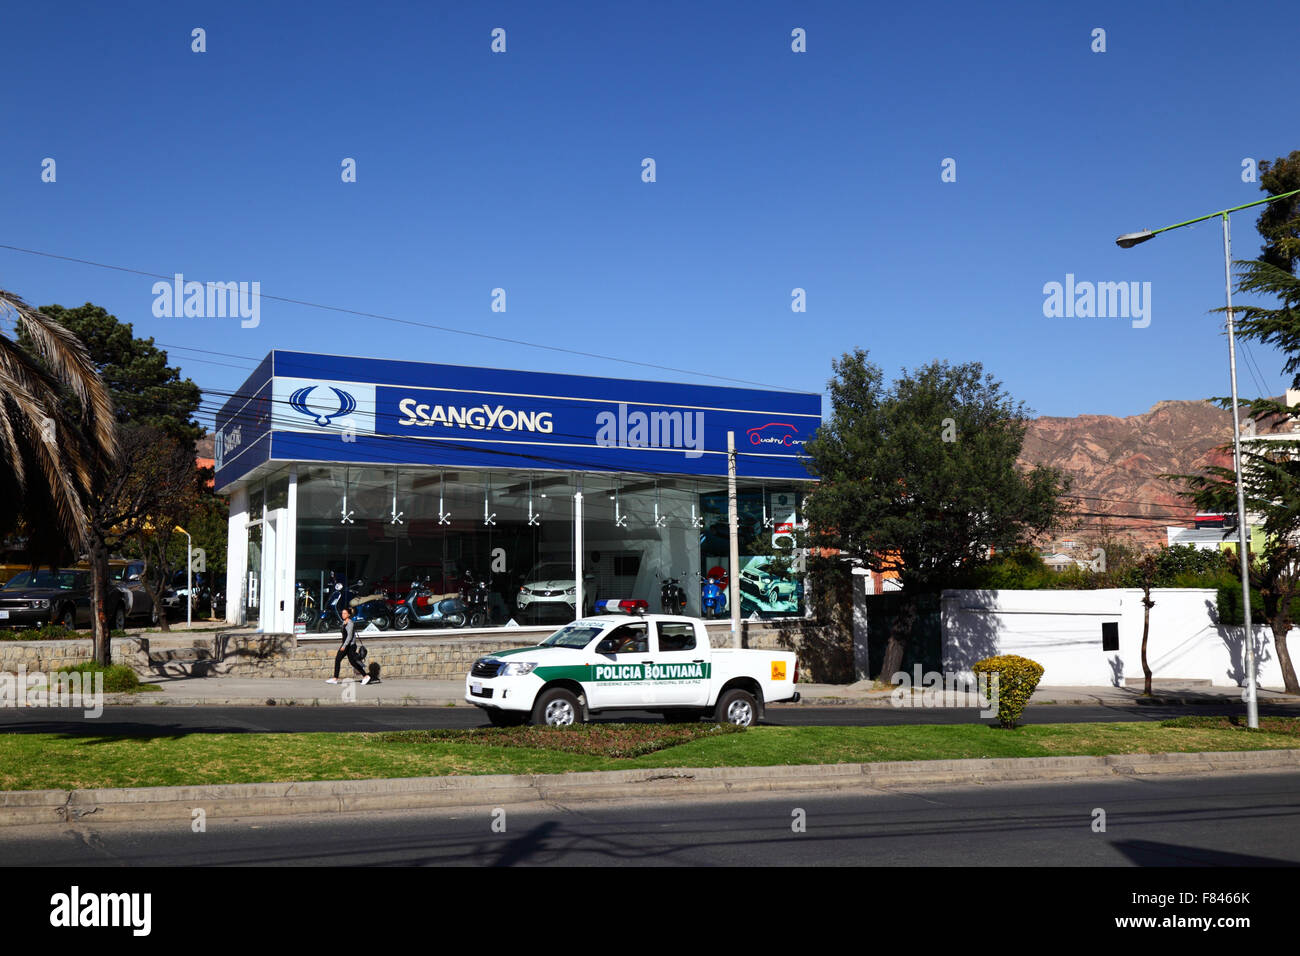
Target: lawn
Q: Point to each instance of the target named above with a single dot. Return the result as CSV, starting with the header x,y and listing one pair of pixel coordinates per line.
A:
x,y
51,761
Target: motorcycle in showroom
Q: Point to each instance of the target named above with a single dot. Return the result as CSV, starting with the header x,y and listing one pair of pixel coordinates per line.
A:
x,y
475,594
672,597
422,608
367,608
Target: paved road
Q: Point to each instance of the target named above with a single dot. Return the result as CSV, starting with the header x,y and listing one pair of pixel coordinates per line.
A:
x,y
1216,820
142,719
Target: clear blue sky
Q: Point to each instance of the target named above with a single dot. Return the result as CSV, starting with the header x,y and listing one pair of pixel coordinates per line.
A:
x,y
775,170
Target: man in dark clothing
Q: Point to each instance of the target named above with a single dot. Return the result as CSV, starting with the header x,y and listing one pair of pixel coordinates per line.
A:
x,y
348,649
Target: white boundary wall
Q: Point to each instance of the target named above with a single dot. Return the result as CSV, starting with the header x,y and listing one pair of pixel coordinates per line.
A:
x,y
1062,631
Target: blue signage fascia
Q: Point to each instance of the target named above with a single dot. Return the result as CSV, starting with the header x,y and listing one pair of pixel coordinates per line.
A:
x,y
380,450
242,435
334,408
512,382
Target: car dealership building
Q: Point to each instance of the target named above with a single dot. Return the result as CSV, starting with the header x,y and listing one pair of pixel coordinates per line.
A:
x,y
556,489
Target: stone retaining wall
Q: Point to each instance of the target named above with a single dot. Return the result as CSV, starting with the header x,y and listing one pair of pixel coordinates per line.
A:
x,y
435,656
49,656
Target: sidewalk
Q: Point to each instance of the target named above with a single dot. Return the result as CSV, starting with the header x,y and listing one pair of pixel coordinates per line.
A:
x,y
413,692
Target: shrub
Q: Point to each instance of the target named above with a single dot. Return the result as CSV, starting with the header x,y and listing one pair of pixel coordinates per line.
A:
x,y
46,632
1017,677
118,678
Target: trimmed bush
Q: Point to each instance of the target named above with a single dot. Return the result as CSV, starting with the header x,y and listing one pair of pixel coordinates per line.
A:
x,y
1017,677
117,677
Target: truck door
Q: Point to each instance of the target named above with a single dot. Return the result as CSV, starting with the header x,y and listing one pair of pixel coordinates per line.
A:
x,y
681,666
618,669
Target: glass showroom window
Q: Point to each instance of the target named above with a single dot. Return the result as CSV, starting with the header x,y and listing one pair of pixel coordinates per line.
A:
x,y
638,535
771,580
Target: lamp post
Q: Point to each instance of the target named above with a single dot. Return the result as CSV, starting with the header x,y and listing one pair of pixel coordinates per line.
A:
x,y
1128,241
189,577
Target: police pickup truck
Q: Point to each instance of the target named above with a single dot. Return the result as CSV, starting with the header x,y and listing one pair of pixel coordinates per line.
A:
x,y
630,661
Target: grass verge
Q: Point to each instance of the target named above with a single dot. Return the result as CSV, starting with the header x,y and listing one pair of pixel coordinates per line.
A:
x,y
52,761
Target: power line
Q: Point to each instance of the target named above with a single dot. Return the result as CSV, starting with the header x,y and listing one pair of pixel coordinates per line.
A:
x,y
423,325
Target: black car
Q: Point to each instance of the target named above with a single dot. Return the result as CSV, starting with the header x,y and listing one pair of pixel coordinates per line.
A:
x,y
37,598
126,598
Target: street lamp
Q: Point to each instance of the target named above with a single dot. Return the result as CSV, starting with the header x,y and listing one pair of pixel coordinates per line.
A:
x,y
1128,241
189,577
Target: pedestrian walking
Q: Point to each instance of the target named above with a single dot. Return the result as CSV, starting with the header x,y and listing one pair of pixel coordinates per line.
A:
x,y
348,649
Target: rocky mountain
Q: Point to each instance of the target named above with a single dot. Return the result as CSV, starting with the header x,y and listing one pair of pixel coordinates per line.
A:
x,y
1116,463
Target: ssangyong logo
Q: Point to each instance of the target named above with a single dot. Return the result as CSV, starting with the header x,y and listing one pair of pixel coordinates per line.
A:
x,y
477,417
323,414
775,433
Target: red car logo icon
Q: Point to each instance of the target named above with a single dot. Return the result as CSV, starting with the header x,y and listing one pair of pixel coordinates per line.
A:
x,y
774,433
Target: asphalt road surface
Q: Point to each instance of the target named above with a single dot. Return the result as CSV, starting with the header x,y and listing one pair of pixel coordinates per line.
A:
x,y
1212,820
147,720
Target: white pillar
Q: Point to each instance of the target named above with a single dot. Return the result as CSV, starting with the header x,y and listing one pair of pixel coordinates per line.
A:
x,y
236,554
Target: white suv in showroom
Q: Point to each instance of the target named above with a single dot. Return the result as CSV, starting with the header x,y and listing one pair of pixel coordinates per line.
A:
x,y
549,592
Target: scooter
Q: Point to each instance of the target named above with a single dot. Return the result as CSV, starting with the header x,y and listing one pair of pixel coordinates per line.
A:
x,y
713,593
424,608
672,597
366,609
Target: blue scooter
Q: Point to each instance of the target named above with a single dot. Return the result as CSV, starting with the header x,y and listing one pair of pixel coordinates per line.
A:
x,y
713,594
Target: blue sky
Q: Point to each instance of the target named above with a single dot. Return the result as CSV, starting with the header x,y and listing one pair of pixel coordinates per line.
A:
x,y
775,170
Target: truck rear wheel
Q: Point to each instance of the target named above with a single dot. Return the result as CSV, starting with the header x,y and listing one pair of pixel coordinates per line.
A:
x,y
557,708
737,707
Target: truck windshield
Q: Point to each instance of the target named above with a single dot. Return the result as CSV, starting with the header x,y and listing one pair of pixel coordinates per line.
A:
x,y
576,634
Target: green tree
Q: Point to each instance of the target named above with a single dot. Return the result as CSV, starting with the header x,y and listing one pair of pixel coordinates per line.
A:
x,y
145,389
152,406
1271,485
56,430
922,477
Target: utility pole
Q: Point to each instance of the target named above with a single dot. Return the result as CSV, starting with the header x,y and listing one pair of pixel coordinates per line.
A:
x,y
577,556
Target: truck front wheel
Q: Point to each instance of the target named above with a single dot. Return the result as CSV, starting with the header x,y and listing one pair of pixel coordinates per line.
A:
x,y
737,707
557,708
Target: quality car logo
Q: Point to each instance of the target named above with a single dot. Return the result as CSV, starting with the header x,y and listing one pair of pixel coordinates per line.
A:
x,y
321,414
775,433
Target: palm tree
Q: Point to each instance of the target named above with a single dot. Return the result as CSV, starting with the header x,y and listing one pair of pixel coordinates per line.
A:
x,y
57,428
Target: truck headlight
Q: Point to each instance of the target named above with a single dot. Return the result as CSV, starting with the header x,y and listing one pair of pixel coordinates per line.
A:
x,y
42,604
515,669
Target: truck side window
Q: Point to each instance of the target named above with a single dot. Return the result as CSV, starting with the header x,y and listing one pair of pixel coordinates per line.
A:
x,y
628,639
676,637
